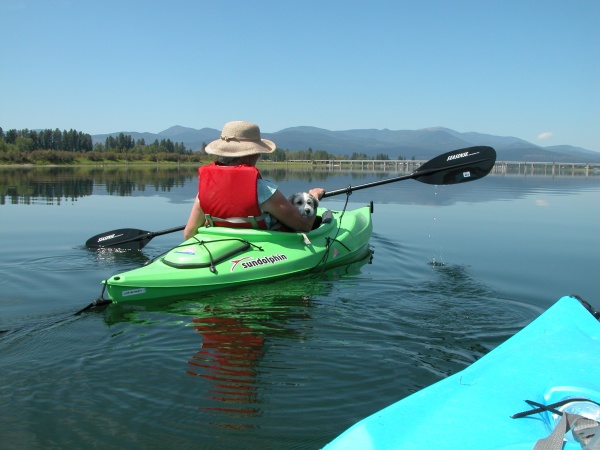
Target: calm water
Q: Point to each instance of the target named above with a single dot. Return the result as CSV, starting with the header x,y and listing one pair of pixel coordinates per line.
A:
x,y
456,270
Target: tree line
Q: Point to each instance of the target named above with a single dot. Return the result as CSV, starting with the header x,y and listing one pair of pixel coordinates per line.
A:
x,y
29,140
67,147
77,141
126,143
310,155
72,146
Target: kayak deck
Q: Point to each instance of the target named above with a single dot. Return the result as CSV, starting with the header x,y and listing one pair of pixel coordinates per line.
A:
x,y
555,357
220,258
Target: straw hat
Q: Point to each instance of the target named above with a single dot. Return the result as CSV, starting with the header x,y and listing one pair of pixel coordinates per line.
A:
x,y
240,139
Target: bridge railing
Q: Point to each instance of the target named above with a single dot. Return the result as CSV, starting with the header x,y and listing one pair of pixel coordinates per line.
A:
x,y
408,166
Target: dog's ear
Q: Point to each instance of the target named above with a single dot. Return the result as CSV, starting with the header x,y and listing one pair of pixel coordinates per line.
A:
x,y
315,200
291,198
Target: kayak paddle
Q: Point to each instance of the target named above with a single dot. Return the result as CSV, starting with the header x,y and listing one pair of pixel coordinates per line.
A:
x,y
457,166
126,238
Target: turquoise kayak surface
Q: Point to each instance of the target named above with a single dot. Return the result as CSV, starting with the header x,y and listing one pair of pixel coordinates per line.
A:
x,y
555,357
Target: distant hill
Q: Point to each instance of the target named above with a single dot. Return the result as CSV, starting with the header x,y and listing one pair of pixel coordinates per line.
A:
x,y
420,144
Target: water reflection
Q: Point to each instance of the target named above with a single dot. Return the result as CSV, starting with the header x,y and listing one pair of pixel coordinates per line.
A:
x,y
228,357
236,329
233,343
56,185
53,185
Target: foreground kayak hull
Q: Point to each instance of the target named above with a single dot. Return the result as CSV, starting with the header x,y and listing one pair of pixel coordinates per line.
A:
x,y
555,357
224,258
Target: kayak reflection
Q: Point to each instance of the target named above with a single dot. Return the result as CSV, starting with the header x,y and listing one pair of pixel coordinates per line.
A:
x,y
228,357
236,330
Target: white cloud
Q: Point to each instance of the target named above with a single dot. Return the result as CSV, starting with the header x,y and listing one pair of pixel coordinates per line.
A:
x,y
545,135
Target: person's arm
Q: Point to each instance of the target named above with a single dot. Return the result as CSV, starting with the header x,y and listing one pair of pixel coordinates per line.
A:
x,y
280,208
195,220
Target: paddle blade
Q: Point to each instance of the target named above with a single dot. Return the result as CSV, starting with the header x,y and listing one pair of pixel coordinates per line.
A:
x,y
125,238
458,166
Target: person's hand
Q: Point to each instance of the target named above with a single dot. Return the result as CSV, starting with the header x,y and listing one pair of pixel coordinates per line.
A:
x,y
317,192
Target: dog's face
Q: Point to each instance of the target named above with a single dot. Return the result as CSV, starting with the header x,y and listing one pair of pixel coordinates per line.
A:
x,y
305,202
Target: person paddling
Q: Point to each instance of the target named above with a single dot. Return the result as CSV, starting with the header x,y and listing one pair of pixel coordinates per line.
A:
x,y
231,191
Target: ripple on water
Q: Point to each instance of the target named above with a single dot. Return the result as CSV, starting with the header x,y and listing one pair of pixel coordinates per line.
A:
x,y
84,260
440,325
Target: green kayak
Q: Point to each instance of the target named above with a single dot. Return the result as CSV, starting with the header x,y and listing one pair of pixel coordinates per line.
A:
x,y
224,258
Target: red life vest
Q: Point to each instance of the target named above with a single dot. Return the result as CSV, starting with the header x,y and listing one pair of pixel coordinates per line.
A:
x,y
228,196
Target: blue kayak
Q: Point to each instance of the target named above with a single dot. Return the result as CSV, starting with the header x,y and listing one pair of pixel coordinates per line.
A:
x,y
511,398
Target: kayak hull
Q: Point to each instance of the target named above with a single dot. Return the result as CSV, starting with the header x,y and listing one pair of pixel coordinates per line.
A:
x,y
225,258
557,356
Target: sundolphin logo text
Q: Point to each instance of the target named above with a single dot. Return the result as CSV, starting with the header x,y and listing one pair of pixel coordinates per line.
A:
x,y
457,156
248,262
110,236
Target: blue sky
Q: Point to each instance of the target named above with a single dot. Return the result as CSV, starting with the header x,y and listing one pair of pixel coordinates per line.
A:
x,y
523,68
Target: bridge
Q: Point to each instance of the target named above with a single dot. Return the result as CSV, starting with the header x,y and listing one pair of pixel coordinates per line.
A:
x,y
408,166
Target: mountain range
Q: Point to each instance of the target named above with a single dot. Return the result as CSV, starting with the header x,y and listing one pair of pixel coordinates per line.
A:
x,y
421,144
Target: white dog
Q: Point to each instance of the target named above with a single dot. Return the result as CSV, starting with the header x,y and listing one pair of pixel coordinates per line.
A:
x,y
306,203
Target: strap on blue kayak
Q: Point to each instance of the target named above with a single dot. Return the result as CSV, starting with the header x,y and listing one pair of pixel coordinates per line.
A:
x,y
585,431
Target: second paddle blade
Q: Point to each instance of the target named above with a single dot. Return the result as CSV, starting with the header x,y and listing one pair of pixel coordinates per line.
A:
x,y
461,166
124,238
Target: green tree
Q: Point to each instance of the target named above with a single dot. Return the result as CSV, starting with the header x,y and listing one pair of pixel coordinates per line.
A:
x,y
278,155
358,156
11,136
65,141
57,139
46,139
321,154
167,146
302,154
25,144
86,143
110,143
121,142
